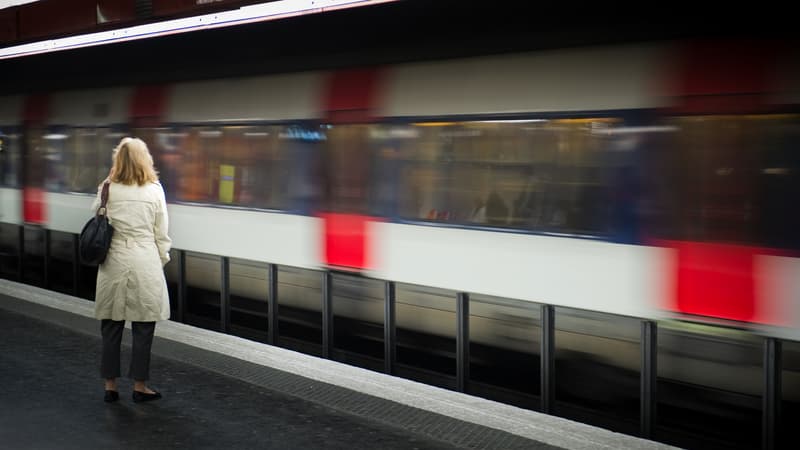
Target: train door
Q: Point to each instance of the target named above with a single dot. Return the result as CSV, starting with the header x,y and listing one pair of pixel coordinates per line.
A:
x,y
348,165
34,160
348,169
34,205
720,171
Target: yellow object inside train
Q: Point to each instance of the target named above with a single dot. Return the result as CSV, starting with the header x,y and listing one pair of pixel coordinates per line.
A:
x,y
226,182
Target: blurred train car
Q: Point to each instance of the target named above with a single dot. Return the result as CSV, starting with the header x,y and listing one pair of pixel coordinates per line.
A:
x,y
638,181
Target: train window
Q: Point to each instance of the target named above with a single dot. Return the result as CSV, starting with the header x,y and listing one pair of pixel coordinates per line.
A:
x,y
165,155
78,159
232,165
729,179
549,175
9,158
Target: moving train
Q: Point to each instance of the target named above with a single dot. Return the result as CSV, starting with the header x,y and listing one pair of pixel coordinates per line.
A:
x,y
648,181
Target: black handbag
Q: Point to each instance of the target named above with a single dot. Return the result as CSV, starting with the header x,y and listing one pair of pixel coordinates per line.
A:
x,y
96,235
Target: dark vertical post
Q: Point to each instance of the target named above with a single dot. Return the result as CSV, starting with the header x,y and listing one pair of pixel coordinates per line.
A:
x,y
181,285
770,418
46,258
21,253
225,295
327,316
548,385
648,379
76,265
273,304
462,342
389,330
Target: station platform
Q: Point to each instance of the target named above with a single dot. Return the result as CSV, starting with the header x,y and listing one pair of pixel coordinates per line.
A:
x,y
222,391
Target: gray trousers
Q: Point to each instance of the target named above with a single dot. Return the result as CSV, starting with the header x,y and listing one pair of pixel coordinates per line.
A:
x,y
140,353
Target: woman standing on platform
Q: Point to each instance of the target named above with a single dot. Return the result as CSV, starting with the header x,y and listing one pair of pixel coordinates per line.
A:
x,y
130,282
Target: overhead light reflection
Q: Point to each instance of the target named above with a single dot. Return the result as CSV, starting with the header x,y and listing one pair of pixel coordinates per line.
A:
x,y
249,14
515,121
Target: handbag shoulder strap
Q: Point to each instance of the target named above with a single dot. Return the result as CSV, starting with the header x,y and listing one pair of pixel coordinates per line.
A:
x,y
103,199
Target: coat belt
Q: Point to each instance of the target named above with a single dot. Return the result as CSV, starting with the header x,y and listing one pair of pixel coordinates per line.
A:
x,y
131,242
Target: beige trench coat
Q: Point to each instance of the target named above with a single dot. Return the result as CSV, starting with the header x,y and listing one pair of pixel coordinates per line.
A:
x,y
130,282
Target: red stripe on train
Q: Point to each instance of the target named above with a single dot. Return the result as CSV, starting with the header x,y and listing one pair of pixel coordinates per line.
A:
x,y
33,205
148,105
34,210
352,95
347,240
36,109
725,76
722,281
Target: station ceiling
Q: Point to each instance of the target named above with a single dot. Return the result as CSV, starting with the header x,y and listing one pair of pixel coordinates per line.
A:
x,y
408,30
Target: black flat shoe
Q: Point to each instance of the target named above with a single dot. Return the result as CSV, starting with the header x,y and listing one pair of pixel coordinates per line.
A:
x,y
111,396
139,397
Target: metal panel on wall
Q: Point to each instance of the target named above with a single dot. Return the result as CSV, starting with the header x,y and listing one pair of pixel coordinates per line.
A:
x,y
185,7
8,25
50,18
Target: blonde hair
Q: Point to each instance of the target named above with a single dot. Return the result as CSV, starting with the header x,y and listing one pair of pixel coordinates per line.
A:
x,y
132,163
